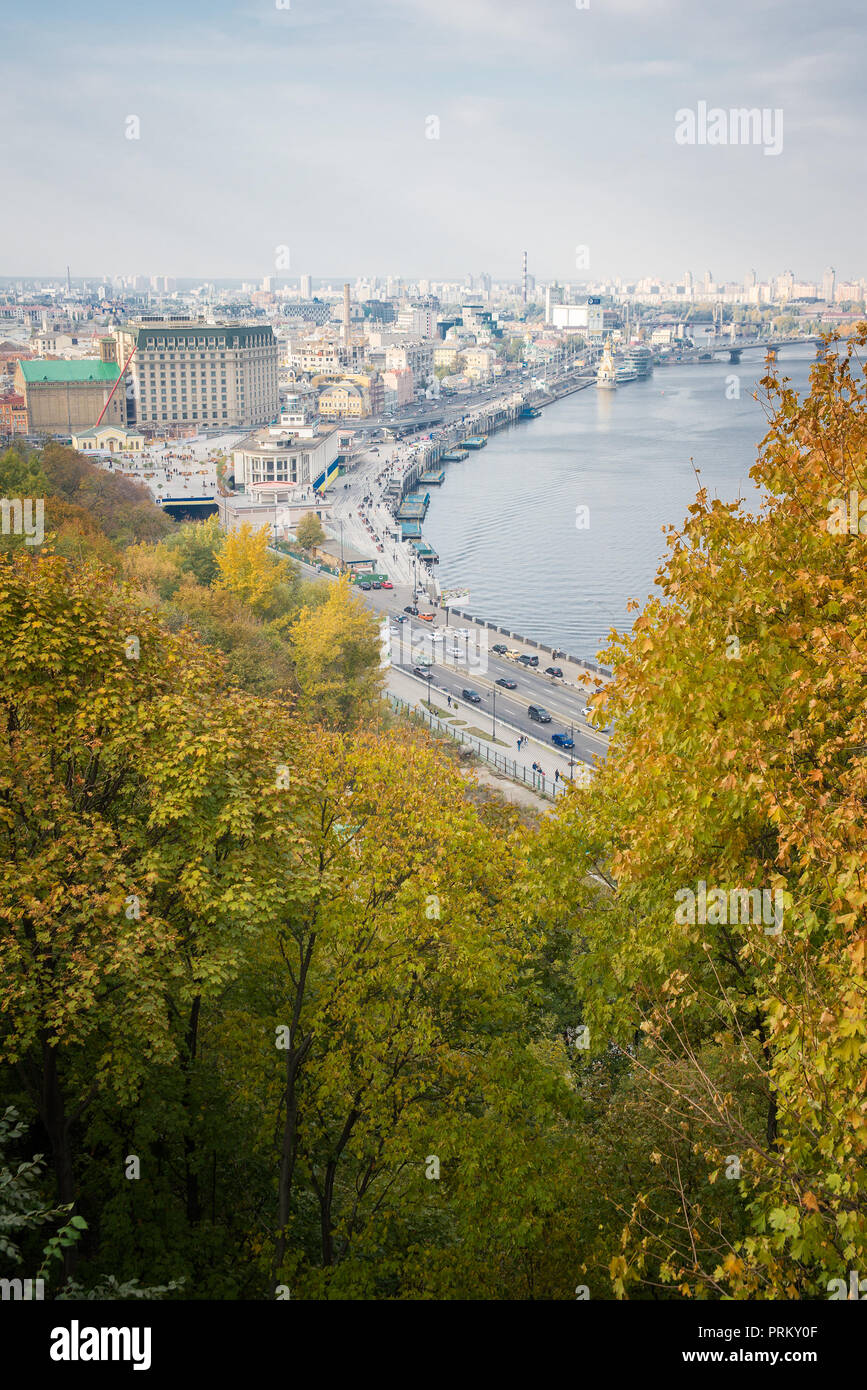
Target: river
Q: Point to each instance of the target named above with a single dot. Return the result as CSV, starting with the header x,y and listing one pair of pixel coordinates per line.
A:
x,y
504,521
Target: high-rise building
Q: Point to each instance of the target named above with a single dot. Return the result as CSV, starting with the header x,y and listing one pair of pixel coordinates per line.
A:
x,y
306,287
553,295
829,280
214,376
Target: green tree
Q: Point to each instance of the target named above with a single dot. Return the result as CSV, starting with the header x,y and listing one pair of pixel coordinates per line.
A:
x,y
738,763
309,532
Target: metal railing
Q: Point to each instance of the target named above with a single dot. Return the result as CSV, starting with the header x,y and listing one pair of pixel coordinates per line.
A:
x,y
544,785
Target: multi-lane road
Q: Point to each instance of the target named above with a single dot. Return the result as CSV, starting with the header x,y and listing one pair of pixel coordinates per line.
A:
x,y
359,498
464,659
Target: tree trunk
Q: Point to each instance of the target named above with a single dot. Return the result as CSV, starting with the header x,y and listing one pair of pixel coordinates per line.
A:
x,y
191,1178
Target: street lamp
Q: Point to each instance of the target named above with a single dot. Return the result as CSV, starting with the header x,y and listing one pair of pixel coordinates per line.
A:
x,y
494,720
572,752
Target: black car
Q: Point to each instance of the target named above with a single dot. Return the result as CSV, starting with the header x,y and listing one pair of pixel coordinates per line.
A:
x,y
411,609
472,696
507,685
553,671
363,586
539,714
499,648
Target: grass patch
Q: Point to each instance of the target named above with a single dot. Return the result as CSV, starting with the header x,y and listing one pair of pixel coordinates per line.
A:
x,y
480,733
462,722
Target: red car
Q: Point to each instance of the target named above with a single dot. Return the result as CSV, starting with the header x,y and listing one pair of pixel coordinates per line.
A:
x,y
387,584
426,617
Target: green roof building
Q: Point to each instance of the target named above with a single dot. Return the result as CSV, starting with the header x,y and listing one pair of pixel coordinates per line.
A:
x,y
69,395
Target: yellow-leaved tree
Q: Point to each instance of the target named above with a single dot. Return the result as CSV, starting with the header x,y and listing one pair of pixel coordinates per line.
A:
x,y
249,570
336,650
720,944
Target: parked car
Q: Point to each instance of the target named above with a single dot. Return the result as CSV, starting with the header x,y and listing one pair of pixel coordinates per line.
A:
x,y
563,740
387,584
528,660
473,696
507,685
376,584
554,671
500,648
539,713
363,585
410,608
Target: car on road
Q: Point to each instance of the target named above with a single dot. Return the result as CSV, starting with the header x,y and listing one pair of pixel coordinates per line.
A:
x,y
410,608
401,618
587,711
526,660
507,685
500,648
539,713
472,696
426,617
554,671
423,661
422,672
563,740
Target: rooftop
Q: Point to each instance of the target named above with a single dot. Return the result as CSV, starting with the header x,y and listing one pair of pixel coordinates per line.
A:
x,y
39,369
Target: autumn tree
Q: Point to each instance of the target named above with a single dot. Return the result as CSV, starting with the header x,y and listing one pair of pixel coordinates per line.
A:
x,y
247,569
309,532
336,650
737,767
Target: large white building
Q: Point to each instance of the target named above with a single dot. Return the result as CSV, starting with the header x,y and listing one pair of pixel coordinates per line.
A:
x,y
287,465
587,317
212,376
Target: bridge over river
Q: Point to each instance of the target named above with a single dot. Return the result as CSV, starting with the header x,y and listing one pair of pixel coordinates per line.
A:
x,y
735,346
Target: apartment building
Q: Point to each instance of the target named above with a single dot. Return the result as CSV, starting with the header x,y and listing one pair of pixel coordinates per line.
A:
x,y
212,376
418,356
325,358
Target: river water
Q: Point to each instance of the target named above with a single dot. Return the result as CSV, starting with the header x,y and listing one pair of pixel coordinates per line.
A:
x,y
504,521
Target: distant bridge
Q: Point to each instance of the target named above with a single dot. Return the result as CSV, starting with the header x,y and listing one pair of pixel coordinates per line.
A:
x,y
735,346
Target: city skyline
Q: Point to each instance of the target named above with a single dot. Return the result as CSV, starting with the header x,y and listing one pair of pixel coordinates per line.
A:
x,y
462,131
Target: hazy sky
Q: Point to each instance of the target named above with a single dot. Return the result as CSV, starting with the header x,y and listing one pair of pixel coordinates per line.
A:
x,y
306,127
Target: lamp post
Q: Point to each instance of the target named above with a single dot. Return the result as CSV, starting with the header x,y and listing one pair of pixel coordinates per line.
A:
x,y
494,719
572,752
